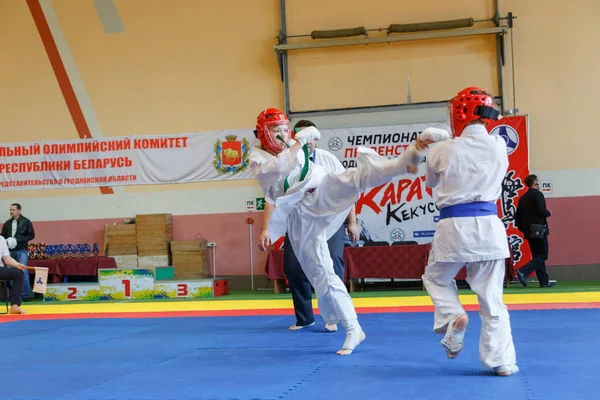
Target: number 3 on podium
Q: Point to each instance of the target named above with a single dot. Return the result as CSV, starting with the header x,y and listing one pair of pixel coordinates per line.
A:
x,y
182,290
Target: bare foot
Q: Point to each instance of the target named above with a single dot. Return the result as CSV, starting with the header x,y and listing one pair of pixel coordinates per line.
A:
x,y
15,309
298,327
350,343
506,370
453,340
461,323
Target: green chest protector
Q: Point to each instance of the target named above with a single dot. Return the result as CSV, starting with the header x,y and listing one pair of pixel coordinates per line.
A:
x,y
286,184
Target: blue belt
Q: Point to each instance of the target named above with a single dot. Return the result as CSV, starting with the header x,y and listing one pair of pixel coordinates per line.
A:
x,y
475,209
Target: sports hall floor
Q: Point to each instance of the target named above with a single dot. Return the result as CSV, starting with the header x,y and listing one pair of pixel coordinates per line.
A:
x,y
238,347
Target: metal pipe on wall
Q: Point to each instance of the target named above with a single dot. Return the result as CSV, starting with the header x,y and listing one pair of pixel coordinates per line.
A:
x,y
499,55
512,60
284,57
250,224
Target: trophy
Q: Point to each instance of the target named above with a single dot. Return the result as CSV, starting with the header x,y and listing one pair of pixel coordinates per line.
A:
x,y
77,250
50,250
41,247
69,251
60,253
31,249
87,250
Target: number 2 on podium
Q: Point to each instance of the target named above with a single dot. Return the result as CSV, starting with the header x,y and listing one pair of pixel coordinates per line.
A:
x,y
72,295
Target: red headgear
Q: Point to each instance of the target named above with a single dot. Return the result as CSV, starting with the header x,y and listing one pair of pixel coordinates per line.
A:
x,y
469,105
273,130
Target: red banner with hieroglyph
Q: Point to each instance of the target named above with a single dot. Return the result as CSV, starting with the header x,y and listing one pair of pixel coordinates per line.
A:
x,y
514,131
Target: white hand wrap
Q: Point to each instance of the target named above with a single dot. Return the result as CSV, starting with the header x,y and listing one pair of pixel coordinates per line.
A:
x,y
435,134
307,135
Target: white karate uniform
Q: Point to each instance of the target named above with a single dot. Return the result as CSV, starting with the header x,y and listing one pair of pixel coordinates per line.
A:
x,y
321,157
470,168
312,217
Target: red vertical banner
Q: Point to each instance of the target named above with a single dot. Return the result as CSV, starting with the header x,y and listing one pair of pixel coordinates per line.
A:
x,y
514,131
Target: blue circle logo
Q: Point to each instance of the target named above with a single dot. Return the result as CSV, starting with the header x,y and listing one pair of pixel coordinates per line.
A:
x,y
510,136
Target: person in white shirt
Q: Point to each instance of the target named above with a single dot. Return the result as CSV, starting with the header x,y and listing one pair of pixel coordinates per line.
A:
x,y
468,171
11,270
311,204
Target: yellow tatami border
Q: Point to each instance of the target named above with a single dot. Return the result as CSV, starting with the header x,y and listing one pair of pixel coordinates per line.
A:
x,y
225,305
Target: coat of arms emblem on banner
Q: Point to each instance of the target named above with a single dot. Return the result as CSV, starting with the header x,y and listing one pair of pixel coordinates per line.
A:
x,y
231,155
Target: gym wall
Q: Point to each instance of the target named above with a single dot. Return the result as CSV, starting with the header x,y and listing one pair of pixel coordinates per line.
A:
x,y
158,67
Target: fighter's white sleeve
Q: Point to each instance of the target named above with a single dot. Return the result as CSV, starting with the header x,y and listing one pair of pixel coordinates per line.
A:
x,y
432,178
269,197
327,160
268,169
411,156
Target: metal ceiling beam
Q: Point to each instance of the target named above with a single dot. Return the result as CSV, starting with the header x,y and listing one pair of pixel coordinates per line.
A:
x,y
390,39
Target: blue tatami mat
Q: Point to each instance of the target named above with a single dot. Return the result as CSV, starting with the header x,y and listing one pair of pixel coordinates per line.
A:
x,y
250,358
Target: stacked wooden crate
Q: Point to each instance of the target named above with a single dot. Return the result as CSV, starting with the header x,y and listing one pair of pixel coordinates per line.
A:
x,y
154,234
190,258
120,242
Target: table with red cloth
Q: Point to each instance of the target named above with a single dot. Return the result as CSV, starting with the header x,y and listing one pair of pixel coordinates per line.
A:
x,y
384,262
82,266
394,262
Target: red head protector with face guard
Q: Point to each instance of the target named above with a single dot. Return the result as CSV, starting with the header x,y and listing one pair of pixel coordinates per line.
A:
x,y
273,130
470,104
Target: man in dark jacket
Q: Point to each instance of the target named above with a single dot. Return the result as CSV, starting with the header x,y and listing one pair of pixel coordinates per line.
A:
x,y
532,210
18,231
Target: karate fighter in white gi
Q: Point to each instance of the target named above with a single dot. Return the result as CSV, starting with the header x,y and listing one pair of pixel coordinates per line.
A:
x,y
311,204
468,171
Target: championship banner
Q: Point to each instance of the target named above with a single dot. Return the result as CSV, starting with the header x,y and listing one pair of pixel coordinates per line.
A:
x,y
132,160
404,209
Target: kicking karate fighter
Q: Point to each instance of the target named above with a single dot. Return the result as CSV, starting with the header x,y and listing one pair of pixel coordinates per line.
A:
x,y
311,204
469,170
